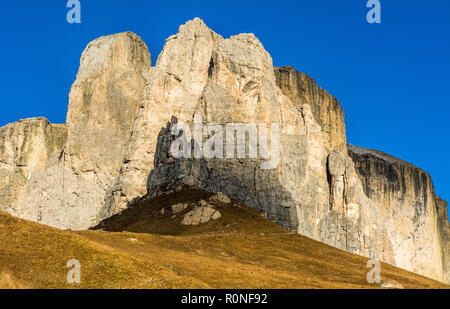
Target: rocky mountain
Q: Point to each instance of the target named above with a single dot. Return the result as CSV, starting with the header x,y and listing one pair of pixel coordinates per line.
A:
x,y
115,149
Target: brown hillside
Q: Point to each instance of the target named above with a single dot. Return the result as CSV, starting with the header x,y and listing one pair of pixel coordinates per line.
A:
x,y
141,248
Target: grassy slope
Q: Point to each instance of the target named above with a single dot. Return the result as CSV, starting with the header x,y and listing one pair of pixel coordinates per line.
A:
x,y
240,250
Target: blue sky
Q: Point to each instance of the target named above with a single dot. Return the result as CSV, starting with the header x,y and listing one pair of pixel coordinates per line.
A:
x,y
392,79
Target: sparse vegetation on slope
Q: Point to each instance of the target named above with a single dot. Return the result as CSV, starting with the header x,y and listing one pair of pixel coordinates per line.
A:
x,y
142,248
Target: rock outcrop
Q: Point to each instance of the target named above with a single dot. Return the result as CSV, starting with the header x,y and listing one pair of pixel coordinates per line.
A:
x,y
173,88
124,117
103,104
444,228
69,188
407,205
25,147
328,113
315,189
201,214
220,198
241,88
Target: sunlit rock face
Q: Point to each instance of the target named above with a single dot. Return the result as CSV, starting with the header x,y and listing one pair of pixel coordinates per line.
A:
x,y
173,88
67,188
444,228
103,104
25,147
366,201
117,146
302,89
240,89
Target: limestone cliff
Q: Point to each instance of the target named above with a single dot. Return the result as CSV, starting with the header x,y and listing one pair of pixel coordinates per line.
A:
x,y
116,147
103,104
173,87
391,187
302,89
407,204
67,186
444,227
25,147
241,88
315,190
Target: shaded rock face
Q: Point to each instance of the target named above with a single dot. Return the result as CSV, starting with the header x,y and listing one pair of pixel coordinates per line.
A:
x,y
236,178
409,209
116,148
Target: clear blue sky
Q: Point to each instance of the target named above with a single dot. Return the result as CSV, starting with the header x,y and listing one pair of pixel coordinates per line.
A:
x,y
392,79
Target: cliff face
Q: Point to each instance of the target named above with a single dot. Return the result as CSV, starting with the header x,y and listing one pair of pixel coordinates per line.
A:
x,y
315,190
103,104
172,88
301,89
116,147
387,188
66,183
408,207
444,228
25,147
241,88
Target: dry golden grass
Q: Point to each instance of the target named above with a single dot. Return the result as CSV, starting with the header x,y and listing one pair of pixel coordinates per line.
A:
x,y
240,250
8,282
37,255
